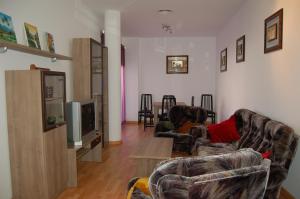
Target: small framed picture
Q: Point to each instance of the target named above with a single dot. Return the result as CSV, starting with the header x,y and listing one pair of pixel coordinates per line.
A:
x,y
273,32
7,32
177,64
240,49
32,36
223,60
50,42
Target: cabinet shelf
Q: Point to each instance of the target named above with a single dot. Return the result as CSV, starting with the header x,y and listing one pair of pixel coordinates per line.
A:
x,y
54,99
34,51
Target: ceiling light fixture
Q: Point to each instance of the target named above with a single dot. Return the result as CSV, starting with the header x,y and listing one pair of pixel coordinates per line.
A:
x,y
167,28
165,11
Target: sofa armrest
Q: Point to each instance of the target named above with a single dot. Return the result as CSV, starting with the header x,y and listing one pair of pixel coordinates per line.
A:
x,y
198,132
163,126
172,134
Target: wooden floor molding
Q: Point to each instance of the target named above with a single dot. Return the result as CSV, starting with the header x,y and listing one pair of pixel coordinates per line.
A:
x,y
108,180
115,142
284,194
131,122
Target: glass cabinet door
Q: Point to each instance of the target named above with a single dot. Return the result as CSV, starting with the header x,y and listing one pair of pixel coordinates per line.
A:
x,y
54,99
97,81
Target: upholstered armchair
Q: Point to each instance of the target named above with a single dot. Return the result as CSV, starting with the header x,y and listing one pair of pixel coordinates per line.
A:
x,y
241,174
178,116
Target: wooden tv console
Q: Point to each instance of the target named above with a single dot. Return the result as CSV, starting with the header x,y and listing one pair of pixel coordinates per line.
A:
x,y
90,151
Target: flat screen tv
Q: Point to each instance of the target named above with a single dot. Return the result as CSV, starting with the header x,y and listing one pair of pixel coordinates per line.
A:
x,y
81,120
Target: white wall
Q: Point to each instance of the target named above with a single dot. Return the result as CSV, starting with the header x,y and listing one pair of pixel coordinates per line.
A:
x,y
266,83
131,77
146,58
65,20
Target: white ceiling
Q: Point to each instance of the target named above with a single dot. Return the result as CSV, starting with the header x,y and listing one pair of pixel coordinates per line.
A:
x,y
190,17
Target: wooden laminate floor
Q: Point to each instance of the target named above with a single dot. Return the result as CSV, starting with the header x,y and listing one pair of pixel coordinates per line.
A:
x,y
108,180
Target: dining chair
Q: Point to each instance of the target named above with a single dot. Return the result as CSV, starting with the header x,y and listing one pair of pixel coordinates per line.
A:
x,y
207,104
168,102
148,114
145,106
193,101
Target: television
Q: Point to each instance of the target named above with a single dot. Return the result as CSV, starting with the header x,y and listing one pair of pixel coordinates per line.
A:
x,y
81,120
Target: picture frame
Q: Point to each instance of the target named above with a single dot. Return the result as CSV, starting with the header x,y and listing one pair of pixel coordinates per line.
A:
x,y
50,42
273,32
223,60
240,49
7,32
32,36
177,64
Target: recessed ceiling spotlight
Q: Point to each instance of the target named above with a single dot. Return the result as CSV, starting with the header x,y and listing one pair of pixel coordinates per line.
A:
x,y
165,11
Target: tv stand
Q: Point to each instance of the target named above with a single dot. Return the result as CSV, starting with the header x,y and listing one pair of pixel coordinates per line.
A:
x,y
90,151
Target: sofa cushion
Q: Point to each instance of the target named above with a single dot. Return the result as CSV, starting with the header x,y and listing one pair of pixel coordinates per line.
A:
x,y
223,132
243,120
186,127
178,115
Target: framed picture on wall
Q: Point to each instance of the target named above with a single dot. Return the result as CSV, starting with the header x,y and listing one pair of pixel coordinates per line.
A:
x,y
240,49
273,32
177,64
223,60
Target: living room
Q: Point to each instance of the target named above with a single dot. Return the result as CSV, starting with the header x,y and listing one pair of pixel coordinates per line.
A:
x,y
265,83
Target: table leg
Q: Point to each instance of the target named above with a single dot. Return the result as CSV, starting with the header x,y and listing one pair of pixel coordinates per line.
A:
x,y
156,108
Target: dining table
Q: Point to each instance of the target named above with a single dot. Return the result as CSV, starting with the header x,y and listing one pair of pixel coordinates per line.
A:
x,y
158,105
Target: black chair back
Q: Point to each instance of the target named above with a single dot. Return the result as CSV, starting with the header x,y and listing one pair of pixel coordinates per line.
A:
x,y
168,102
146,102
193,101
207,102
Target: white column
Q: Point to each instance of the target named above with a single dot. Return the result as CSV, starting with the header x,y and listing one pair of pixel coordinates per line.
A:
x,y
113,42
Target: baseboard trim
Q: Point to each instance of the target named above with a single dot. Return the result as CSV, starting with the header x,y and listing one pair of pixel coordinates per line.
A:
x,y
131,122
284,194
115,142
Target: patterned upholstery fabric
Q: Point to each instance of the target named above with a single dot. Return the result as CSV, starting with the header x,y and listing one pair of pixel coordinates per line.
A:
x,y
178,115
241,174
261,134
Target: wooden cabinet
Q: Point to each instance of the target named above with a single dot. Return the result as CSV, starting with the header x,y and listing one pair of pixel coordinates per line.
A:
x,y
91,78
38,157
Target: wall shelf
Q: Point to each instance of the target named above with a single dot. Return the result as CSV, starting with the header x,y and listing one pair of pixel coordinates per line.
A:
x,y
4,45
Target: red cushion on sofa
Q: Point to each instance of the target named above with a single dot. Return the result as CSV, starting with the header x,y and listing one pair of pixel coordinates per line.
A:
x,y
267,154
225,131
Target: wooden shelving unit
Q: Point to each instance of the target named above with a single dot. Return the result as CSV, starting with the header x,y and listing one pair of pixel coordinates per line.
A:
x,y
34,51
91,78
38,150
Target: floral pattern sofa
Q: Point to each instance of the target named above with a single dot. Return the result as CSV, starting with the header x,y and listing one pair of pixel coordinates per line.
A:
x,y
261,134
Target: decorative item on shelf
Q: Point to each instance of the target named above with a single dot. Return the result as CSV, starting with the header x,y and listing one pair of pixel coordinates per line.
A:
x,y
7,32
34,67
50,42
273,32
223,60
49,92
32,36
240,49
177,64
51,120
